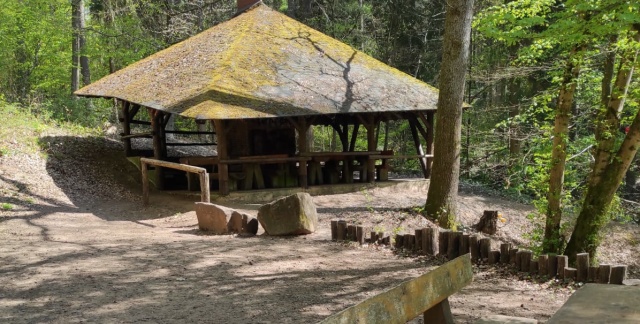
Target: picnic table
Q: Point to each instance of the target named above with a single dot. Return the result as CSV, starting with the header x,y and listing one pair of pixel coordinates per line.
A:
x,y
599,303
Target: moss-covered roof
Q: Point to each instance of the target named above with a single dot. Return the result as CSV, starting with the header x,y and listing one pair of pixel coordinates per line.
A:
x,y
263,64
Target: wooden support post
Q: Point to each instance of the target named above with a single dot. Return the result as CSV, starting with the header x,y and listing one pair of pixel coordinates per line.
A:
x,y
372,145
222,148
145,184
418,145
552,266
453,247
504,253
126,128
334,230
618,274
474,248
205,194
485,247
342,230
582,265
303,147
429,124
604,273
440,313
360,234
543,263
156,126
563,262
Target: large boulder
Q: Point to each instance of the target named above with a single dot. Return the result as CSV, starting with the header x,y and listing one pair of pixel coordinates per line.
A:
x,y
292,215
213,218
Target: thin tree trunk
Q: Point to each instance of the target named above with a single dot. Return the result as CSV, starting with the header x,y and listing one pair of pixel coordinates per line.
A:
x,y
82,45
552,240
443,190
609,168
75,48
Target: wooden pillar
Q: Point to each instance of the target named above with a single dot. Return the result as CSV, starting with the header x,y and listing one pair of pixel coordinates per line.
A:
x,y
126,127
418,145
223,168
157,129
372,144
429,139
303,147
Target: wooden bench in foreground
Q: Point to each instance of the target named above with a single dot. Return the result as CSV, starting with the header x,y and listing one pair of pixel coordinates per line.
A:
x,y
597,303
427,294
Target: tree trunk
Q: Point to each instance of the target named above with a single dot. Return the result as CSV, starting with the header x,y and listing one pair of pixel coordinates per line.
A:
x,y
76,12
609,168
82,45
552,241
443,190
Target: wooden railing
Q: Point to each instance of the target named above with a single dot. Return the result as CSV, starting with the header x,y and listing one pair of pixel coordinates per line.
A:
x,y
202,172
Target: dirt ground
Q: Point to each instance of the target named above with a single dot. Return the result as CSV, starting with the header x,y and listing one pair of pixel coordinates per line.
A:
x,y
77,246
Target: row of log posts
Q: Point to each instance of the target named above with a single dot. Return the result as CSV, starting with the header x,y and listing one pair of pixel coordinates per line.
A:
x,y
431,241
342,231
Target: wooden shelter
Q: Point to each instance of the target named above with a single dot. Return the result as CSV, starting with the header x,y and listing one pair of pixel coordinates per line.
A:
x,y
262,80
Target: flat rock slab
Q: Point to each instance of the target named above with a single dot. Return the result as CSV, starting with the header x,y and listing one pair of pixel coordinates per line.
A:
x,y
599,303
503,319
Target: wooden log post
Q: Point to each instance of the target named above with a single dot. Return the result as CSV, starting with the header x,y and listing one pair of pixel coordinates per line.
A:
x,y
513,254
380,237
552,266
525,261
604,273
372,143
563,262
543,264
494,257
374,238
342,230
485,247
334,230
504,252
474,248
222,148
570,273
518,262
430,241
582,266
351,232
443,242
418,236
533,267
593,274
399,241
409,242
360,234
303,147
618,274
453,248
464,244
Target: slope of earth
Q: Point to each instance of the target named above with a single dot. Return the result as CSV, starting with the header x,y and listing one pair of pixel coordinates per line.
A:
x,y
77,246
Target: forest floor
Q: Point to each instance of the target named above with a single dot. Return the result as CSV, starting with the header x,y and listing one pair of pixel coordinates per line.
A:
x,y
77,246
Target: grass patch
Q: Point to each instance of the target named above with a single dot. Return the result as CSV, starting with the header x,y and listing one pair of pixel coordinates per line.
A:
x,y
7,206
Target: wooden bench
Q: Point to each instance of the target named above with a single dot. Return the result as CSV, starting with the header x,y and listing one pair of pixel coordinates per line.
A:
x,y
598,303
426,295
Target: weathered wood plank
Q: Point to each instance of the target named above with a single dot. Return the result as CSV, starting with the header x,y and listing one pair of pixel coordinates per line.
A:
x,y
411,298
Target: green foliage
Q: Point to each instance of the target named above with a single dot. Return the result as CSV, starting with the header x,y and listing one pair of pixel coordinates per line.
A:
x,y
7,206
